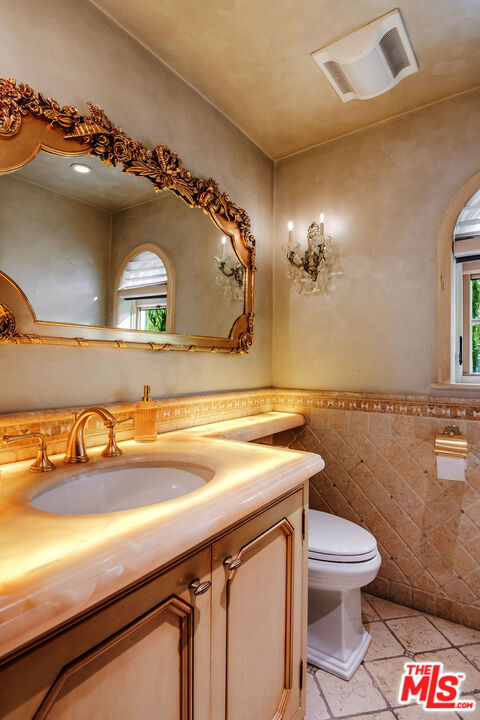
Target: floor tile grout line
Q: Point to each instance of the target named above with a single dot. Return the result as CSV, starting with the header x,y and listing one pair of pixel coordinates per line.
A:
x,y
439,631
398,639
399,617
470,692
375,685
366,714
425,652
428,616
369,604
387,657
416,613
322,695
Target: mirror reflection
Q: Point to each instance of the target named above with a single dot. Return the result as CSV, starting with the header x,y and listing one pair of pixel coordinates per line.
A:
x,y
90,245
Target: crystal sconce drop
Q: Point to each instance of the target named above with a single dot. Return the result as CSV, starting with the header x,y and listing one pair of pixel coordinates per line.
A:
x,y
230,275
311,271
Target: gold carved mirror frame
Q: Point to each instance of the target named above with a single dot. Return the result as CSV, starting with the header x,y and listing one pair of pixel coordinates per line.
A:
x,y
29,123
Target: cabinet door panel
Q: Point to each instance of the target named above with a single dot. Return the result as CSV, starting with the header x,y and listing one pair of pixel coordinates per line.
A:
x,y
257,612
142,671
259,626
146,655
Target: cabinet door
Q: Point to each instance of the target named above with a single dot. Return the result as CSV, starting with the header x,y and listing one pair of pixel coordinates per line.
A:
x,y
146,656
258,613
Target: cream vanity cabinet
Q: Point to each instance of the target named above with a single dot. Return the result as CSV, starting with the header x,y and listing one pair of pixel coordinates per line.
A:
x,y
231,652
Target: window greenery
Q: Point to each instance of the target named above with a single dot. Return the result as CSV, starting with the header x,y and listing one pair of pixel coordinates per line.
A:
x,y
475,327
156,320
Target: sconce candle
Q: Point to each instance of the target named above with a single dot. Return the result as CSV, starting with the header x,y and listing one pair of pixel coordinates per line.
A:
x,y
290,232
311,269
231,274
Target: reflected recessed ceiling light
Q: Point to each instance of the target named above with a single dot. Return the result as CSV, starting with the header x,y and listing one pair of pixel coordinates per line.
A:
x,y
81,168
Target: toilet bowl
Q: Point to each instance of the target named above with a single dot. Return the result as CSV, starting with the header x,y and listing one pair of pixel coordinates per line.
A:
x,y
342,558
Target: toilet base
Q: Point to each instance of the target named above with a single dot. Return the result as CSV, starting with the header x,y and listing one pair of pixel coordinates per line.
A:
x,y
342,669
337,640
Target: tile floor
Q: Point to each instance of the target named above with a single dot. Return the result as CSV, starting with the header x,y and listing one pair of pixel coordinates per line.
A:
x,y
398,634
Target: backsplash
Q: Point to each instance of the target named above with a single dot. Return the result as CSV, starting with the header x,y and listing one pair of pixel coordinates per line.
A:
x,y
173,414
380,472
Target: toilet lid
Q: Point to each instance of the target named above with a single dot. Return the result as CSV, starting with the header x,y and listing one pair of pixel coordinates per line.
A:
x,y
334,539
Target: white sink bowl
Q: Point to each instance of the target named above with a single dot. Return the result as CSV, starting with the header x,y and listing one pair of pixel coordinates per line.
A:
x,y
124,488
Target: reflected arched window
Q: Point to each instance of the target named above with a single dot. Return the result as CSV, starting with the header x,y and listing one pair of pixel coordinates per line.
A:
x,y
143,294
466,297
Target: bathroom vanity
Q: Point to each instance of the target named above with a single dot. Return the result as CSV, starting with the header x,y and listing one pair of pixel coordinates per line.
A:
x,y
169,582
191,608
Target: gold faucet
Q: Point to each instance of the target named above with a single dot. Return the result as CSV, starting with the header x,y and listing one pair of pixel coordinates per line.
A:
x,y
43,462
75,452
111,449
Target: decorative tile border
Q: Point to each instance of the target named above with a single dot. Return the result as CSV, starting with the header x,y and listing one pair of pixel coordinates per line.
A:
x,y
185,411
417,406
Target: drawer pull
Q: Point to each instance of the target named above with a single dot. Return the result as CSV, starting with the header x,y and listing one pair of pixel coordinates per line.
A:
x,y
199,587
232,564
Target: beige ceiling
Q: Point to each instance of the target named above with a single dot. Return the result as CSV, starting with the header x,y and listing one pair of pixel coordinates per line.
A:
x,y
251,58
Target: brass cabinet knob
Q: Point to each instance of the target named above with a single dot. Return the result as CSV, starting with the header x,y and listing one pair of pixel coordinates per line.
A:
x,y
232,564
199,587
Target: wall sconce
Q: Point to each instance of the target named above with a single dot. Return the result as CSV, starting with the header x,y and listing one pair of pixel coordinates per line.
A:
x,y
310,271
230,275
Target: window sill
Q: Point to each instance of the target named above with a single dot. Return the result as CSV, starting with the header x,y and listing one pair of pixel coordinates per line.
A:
x,y
456,386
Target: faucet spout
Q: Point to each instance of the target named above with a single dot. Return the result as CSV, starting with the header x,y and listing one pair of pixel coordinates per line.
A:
x,y
75,451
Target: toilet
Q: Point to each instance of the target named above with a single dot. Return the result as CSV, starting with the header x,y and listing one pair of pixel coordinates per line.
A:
x,y
342,558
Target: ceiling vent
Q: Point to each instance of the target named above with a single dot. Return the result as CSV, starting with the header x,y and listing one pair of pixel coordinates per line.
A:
x,y
369,61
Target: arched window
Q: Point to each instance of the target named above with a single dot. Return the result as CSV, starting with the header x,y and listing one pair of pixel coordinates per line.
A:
x,y
458,308
466,250
143,292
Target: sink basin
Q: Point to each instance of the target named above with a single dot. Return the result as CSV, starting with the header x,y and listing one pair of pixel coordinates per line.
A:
x,y
122,488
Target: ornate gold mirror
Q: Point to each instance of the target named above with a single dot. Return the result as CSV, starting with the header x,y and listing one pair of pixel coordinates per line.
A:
x,y
95,252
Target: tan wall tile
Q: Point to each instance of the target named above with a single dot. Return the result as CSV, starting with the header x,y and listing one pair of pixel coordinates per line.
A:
x,y
428,530
380,423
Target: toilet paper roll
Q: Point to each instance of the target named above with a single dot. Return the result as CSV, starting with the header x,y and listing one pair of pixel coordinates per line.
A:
x,y
451,468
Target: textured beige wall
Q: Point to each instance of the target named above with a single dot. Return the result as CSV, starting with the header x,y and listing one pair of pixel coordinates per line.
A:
x,y
384,192
57,250
70,51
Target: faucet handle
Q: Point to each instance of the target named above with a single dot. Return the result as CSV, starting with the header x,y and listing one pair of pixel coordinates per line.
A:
x,y
120,422
43,462
112,449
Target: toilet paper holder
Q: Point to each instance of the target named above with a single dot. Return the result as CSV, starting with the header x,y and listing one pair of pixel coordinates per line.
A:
x,y
451,443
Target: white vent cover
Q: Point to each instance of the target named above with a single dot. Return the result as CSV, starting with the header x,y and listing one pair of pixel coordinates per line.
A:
x,y
369,61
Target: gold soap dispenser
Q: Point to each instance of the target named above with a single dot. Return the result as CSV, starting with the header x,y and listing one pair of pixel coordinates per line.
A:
x,y
146,418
